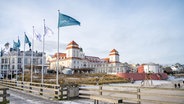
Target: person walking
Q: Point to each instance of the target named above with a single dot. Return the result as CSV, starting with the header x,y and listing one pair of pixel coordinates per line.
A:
x,y
179,85
175,85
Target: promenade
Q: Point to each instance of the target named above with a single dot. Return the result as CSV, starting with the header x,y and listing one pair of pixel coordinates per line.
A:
x,y
128,92
19,97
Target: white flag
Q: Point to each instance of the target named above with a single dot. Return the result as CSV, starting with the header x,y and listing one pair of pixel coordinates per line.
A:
x,y
6,50
48,31
38,36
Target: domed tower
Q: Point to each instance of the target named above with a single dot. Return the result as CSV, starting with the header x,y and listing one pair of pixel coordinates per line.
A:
x,y
73,55
114,56
72,50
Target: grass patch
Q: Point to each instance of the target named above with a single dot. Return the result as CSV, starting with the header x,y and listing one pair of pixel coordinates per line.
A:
x,y
92,79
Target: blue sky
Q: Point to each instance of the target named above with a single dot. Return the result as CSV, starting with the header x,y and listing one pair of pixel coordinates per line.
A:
x,y
141,30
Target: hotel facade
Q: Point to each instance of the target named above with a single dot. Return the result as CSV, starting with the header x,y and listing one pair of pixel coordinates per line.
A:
x,y
75,59
13,61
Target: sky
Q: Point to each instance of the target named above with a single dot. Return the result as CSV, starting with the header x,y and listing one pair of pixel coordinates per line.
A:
x,y
142,31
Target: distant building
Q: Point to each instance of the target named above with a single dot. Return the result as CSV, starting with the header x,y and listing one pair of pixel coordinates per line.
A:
x,y
141,69
150,68
177,68
13,60
76,59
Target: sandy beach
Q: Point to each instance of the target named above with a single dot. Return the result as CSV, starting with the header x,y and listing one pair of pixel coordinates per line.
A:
x,y
169,83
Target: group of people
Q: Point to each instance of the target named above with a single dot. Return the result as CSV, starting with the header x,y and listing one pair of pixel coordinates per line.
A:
x,y
177,85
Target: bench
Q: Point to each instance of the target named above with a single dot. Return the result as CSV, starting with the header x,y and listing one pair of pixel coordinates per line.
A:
x,y
104,98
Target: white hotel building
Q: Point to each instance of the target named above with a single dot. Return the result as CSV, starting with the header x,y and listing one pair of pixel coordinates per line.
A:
x,y
75,59
13,61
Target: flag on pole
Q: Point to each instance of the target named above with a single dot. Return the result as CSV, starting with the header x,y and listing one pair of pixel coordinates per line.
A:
x,y
38,36
1,52
27,40
65,20
48,31
7,48
16,44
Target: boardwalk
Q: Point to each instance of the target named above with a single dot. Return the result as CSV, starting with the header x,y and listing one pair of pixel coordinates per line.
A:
x,y
18,97
157,93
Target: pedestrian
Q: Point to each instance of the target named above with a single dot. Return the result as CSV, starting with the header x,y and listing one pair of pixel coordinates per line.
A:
x,y
183,82
142,82
179,85
175,85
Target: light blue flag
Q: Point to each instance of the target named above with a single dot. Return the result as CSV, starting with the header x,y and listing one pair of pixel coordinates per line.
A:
x,y
27,40
16,44
65,20
1,52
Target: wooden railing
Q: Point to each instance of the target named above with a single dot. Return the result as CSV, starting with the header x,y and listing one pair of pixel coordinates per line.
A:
x,y
131,94
4,95
45,90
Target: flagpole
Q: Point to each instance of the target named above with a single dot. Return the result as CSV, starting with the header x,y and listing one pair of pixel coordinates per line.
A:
x,y
10,66
23,58
57,67
64,21
7,70
0,64
17,60
43,50
32,56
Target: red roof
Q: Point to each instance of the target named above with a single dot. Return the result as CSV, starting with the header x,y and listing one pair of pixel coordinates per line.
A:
x,y
60,55
106,59
114,50
72,43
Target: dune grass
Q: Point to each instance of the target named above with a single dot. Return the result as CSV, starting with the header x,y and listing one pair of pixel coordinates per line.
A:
x,y
92,79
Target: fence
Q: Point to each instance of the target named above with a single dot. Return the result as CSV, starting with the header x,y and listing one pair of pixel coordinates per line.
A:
x,y
130,94
4,95
45,90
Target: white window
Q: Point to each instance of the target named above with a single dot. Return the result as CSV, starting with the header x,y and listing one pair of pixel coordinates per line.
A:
x,y
77,54
74,53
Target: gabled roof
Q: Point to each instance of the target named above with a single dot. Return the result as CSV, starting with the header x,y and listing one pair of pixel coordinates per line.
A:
x,y
114,50
72,43
60,55
106,59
